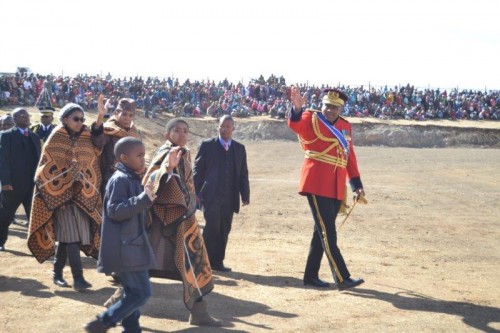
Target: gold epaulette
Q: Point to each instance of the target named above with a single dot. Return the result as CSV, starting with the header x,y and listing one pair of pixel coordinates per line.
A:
x,y
312,110
344,119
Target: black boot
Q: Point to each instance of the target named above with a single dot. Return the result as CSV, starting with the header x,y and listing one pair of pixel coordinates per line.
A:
x,y
59,263
75,262
199,316
80,284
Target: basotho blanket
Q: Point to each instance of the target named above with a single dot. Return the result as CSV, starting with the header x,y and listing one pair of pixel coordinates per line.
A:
x,y
68,171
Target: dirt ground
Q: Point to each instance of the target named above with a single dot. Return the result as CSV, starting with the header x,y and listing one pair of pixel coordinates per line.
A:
x,y
427,244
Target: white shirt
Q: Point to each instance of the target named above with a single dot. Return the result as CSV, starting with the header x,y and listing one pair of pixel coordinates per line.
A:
x,y
27,84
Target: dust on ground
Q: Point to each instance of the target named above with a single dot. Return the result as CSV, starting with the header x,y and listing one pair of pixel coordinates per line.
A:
x,y
427,244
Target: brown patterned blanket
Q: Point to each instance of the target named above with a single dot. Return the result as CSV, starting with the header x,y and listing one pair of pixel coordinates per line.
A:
x,y
68,171
176,238
111,128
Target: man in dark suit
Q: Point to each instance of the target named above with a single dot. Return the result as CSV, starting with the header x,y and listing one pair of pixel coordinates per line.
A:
x,y
220,177
19,154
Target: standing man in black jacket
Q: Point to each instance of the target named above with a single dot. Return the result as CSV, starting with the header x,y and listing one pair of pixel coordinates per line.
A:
x,y
220,177
45,127
19,154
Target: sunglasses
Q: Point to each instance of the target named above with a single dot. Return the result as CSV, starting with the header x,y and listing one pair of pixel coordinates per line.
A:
x,y
78,119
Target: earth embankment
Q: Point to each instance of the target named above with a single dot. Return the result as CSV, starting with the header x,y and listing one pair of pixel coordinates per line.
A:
x,y
390,134
367,131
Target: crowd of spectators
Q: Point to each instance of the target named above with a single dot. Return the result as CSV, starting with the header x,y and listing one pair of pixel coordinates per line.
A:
x,y
259,97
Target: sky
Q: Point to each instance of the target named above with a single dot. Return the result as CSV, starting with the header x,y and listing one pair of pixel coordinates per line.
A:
x,y
438,43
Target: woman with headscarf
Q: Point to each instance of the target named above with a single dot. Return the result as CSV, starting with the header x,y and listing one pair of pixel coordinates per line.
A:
x,y
106,134
67,203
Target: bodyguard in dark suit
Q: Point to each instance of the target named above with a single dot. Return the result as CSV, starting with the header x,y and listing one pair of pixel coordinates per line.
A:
x,y
45,127
220,178
19,154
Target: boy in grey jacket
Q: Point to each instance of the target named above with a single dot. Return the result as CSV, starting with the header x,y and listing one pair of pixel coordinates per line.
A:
x,y
125,247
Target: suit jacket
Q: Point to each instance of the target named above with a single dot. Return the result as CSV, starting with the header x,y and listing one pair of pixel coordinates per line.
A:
x,y
15,168
206,172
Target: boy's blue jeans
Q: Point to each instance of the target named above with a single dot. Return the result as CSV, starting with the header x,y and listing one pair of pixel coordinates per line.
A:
x,y
136,292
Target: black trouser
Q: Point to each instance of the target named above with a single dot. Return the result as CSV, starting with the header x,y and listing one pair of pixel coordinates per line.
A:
x,y
11,200
72,252
218,221
324,239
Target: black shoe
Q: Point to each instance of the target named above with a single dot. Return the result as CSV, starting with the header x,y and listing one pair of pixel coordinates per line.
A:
x,y
80,284
350,283
60,282
221,268
95,326
316,282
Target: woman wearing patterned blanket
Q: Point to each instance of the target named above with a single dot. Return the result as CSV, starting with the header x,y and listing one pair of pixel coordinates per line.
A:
x,y
106,134
67,203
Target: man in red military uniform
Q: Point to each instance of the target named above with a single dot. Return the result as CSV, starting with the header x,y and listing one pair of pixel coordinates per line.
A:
x,y
329,159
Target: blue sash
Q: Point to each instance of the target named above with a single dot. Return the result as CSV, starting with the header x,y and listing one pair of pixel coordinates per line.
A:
x,y
336,133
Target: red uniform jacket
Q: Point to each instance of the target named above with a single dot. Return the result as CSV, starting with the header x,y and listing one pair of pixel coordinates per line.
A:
x,y
324,171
